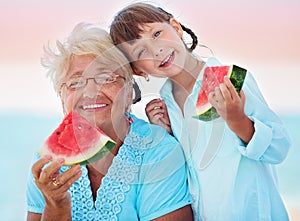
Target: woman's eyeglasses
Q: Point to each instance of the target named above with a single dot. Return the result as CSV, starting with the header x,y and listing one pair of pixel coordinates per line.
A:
x,y
76,83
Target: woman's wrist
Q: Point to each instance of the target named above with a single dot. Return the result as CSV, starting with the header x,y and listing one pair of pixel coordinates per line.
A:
x,y
57,210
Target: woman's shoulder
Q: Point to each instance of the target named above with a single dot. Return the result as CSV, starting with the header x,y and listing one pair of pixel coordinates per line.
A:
x,y
155,148
143,128
146,136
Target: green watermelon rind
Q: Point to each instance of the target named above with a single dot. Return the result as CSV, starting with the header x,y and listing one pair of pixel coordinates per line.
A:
x,y
103,152
237,77
97,151
208,115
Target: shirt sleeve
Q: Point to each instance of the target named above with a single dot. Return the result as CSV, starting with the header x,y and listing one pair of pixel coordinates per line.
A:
x,y
270,142
163,184
34,197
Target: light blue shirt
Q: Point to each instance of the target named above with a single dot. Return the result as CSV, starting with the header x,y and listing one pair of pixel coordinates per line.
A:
x,y
228,179
147,179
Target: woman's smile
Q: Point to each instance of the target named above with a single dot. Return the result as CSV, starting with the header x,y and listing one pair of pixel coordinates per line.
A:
x,y
98,106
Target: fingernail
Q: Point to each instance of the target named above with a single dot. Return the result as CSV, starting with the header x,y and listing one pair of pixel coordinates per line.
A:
x,y
48,157
60,160
77,167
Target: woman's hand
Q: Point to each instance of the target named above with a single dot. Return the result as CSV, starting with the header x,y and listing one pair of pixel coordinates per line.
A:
x,y
230,106
54,186
157,113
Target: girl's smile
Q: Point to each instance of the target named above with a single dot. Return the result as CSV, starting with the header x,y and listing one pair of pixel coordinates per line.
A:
x,y
168,60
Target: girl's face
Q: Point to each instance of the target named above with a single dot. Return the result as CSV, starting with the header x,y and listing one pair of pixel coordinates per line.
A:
x,y
160,51
103,104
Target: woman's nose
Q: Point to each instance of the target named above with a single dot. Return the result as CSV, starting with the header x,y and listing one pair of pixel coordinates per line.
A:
x,y
91,88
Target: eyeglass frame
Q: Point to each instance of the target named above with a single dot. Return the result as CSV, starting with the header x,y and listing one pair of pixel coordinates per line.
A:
x,y
115,76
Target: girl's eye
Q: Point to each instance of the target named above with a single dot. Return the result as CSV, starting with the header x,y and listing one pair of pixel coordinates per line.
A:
x,y
141,53
156,34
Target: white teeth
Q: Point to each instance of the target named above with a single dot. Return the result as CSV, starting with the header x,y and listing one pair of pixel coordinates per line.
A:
x,y
93,106
166,60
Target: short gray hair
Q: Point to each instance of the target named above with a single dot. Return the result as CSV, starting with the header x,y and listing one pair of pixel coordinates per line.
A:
x,y
85,39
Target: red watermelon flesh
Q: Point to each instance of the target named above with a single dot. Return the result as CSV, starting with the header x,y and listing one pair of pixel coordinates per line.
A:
x,y
77,140
212,77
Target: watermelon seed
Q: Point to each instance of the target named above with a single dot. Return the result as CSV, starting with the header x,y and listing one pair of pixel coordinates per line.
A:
x,y
57,133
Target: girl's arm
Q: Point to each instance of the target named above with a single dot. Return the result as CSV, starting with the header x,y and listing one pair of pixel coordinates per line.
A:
x,y
261,134
230,106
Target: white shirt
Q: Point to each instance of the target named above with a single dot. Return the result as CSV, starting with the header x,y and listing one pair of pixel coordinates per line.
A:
x,y
228,179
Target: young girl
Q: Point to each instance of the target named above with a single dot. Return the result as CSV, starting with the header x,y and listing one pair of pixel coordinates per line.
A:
x,y
231,160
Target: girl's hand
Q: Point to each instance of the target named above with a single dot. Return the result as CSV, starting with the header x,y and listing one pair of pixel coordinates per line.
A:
x,y
53,185
157,113
230,106
228,103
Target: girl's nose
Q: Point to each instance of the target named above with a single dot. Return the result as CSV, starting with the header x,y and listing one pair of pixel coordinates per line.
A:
x,y
160,50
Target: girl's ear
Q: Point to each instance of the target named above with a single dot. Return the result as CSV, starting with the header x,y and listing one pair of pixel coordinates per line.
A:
x,y
176,25
138,72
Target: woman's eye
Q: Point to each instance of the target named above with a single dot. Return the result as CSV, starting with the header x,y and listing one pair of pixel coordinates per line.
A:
x,y
74,83
109,79
156,34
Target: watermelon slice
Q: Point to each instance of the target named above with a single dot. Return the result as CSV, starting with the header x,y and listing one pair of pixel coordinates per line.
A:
x,y
77,141
212,77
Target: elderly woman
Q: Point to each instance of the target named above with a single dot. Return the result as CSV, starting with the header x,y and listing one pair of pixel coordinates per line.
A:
x,y
143,178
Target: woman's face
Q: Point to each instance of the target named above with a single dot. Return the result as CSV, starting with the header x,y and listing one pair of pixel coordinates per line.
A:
x,y
103,104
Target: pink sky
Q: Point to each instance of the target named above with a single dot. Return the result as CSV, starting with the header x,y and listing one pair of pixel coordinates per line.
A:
x,y
263,37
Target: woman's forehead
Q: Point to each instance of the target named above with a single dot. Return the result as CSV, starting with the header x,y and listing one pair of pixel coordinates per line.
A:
x,y
100,67
81,65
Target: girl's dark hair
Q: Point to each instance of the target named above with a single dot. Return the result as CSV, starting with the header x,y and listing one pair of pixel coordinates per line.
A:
x,y
137,93
125,25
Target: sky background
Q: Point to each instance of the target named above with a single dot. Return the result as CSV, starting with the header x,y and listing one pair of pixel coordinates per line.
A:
x,y
262,36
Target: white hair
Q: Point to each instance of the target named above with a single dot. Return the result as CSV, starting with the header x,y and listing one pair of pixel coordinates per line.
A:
x,y
85,39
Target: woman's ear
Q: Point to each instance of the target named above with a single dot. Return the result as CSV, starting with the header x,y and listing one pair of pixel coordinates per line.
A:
x,y
129,92
176,25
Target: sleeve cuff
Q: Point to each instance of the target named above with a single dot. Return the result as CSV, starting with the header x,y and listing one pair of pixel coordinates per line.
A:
x,y
34,209
259,143
166,210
